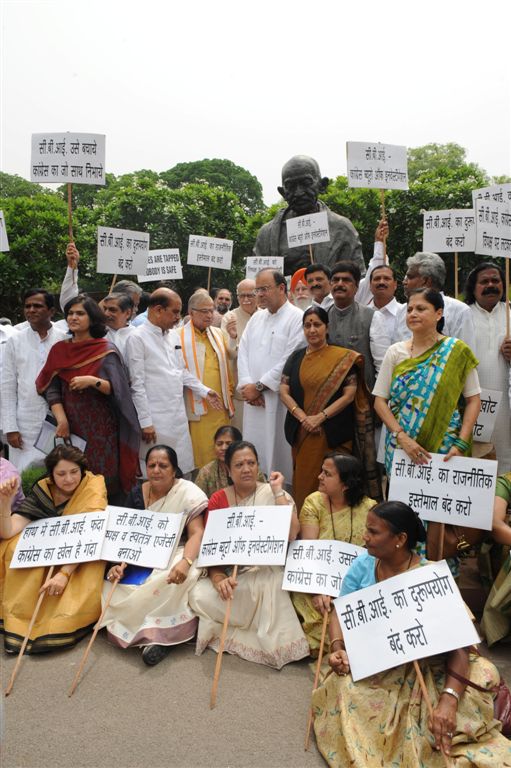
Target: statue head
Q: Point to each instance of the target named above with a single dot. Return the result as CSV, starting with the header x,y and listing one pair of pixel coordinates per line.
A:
x,y
301,184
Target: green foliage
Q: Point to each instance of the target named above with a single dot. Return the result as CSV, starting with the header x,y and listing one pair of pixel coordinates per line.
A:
x,y
15,186
432,158
29,476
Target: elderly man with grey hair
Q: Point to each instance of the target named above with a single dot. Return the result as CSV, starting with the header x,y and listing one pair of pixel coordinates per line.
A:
x,y
427,270
118,309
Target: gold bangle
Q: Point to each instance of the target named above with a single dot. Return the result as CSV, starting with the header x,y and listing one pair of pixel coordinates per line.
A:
x,y
293,409
337,640
190,562
64,573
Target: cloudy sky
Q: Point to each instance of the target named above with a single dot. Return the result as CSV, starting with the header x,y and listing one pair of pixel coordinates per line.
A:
x,y
256,83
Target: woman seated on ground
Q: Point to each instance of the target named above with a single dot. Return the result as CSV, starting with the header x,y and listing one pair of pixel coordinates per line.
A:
x,y
338,511
496,621
7,472
214,476
263,626
149,607
73,595
383,719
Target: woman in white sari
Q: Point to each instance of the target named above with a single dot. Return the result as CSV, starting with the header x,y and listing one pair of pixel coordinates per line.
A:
x,y
149,607
263,626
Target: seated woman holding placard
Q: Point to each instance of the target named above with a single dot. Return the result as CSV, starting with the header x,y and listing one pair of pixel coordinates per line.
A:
x,y
263,627
338,511
496,621
72,603
149,607
383,719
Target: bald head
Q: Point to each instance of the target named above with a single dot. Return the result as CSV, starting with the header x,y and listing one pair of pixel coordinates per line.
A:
x,y
301,184
164,308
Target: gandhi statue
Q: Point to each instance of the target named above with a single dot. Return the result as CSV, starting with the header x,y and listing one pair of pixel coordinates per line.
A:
x,y
301,185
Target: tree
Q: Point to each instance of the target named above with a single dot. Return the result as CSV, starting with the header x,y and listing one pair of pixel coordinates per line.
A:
x,y
12,185
219,173
436,157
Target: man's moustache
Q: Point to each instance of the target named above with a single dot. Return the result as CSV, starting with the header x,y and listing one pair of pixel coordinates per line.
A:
x,y
489,291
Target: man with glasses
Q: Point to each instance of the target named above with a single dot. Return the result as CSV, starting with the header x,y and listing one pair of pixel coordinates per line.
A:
x,y
233,326
269,338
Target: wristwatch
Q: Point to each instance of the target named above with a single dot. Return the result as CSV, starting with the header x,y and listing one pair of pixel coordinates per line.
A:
x,y
396,433
260,386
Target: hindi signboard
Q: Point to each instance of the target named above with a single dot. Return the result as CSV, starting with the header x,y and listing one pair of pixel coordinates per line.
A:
x,y
487,418
416,614
459,491
63,158
246,536
308,230
162,265
141,536
122,251
498,193
61,540
449,231
318,566
256,263
376,166
209,252
493,228
4,242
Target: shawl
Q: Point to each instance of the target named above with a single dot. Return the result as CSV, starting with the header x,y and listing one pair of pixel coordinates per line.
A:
x,y
90,496
195,365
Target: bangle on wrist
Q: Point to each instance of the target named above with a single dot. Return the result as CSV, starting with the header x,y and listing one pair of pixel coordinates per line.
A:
x,y
338,640
188,560
452,692
279,494
63,573
461,444
293,409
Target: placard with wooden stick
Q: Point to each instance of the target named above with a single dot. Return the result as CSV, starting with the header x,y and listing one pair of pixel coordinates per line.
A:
x,y
429,705
218,665
316,678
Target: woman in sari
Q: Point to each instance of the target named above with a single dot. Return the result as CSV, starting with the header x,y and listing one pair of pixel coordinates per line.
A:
x,y
263,626
149,607
383,719
337,511
328,407
496,621
72,603
86,386
214,476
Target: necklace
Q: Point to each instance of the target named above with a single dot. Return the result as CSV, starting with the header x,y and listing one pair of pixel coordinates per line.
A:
x,y
377,571
250,504
332,519
433,341
150,499
310,351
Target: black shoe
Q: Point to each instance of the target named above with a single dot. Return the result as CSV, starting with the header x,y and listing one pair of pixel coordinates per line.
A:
x,y
153,654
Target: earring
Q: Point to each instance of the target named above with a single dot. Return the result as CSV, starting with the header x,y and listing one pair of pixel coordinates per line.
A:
x,y
397,546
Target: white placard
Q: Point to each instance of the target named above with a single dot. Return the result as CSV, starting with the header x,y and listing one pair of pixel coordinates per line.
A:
x,y
498,193
162,265
256,263
449,231
77,158
122,251
414,615
46,440
308,230
209,252
376,166
493,228
486,420
246,536
459,491
61,540
141,536
4,242
318,566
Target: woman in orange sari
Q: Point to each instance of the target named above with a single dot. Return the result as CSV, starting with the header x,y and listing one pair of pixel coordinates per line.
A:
x,y
328,407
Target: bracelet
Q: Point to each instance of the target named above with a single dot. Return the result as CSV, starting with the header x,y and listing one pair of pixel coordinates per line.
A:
x,y
278,495
63,573
452,692
293,409
325,415
190,562
338,640
461,444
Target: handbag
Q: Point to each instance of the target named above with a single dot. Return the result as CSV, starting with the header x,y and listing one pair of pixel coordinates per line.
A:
x,y
501,699
459,541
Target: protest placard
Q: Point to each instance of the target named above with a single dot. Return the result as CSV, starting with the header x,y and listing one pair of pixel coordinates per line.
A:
x,y
376,166
141,536
256,263
63,158
61,540
459,492
162,265
411,616
497,193
308,230
4,242
246,536
449,231
318,566
493,228
209,252
487,418
122,251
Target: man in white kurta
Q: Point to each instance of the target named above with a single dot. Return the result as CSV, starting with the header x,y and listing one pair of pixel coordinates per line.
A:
x,y
270,337
158,376
23,410
484,293
118,309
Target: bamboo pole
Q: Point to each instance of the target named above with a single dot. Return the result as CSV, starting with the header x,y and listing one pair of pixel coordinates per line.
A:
x,y
218,665
26,638
91,641
425,693
311,253
114,280
209,279
70,212
383,215
455,274
316,678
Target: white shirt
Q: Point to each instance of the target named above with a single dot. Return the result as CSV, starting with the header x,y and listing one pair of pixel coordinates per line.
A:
x,y
69,288
119,338
458,322
326,303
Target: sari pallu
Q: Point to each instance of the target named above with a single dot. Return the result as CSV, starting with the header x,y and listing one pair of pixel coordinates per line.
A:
x,y
62,621
424,396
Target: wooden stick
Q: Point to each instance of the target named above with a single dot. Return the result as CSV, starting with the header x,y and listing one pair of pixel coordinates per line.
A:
x,y
112,283
311,253
91,641
26,638
218,665
507,297
429,705
316,678
455,274
383,215
209,279
70,212
441,542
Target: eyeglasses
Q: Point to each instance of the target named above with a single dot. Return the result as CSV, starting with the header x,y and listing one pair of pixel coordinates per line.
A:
x,y
264,288
246,295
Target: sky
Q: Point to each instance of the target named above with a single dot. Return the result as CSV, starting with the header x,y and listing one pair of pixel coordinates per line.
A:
x,y
255,83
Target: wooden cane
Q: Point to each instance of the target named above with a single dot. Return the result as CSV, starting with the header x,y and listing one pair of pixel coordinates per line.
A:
x,y
112,283
25,640
316,678
91,641
209,279
218,665
455,274
70,212
311,253
383,215
429,705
